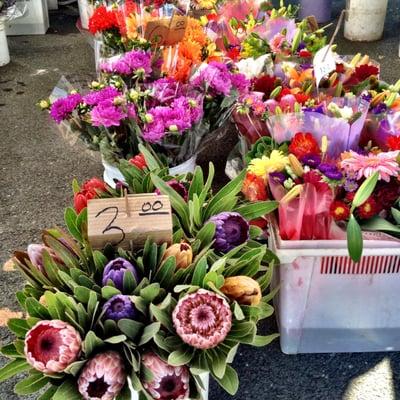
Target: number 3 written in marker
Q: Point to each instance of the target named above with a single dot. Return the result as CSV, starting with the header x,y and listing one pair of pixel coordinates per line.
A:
x,y
111,227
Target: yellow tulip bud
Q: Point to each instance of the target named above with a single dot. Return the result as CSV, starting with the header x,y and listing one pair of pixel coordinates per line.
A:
x,y
243,289
182,252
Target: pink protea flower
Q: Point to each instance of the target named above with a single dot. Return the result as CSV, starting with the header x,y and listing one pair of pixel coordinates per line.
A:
x,y
35,254
168,383
364,166
102,377
50,346
202,319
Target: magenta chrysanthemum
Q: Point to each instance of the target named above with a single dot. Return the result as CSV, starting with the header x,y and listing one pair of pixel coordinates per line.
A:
x,y
50,346
214,76
107,114
97,96
103,377
168,382
202,319
364,166
62,108
132,62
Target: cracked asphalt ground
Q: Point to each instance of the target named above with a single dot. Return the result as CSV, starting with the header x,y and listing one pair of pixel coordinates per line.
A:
x,y
37,166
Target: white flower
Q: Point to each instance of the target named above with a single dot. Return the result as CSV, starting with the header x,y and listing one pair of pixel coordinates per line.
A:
x,y
251,67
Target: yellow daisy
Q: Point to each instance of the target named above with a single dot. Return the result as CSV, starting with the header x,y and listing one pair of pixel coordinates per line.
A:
x,y
263,166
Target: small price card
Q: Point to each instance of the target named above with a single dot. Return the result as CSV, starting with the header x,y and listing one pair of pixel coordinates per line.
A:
x,y
166,31
128,221
324,62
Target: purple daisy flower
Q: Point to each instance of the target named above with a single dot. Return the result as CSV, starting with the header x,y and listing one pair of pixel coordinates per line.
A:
x,y
231,230
350,185
63,108
330,171
277,177
312,160
97,96
119,307
107,114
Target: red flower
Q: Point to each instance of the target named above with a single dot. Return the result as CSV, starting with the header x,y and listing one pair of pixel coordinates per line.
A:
x,y
305,53
233,53
362,73
260,222
340,211
254,188
301,97
340,68
303,144
102,20
387,195
368,209
283,92
264,84
139,161
393,142
89,190
350,196
212,17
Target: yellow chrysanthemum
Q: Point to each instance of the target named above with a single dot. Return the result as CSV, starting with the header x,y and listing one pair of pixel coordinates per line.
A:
x,y
276,162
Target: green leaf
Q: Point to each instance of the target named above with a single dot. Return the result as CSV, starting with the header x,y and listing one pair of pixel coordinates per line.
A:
x,y
13,368
125,393
354,239
70,220
380,224
230,381
181,357
218,363
55,309
31,384
162,316
149,332
260,341
48,394
116,339
10,350
206,233
68,390
91,342
149,293
238,311
109,291
364,191
75,367
255,232
396,215
199,272
257,210
129,282
82,293
197,183
19,326
150,160
100,260
130,327
35,309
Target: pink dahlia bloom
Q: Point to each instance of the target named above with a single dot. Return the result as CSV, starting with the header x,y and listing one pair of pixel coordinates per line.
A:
x,y
50,346
102,377
364,166
202,319
168,383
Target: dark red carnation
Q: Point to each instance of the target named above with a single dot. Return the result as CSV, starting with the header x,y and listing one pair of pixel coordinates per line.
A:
x,y
264,84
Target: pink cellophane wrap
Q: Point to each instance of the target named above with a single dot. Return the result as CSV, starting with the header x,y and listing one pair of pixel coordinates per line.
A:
x,y
341,134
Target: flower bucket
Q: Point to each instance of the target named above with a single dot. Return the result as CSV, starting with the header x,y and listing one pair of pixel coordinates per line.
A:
x,y
205,377
320,9
365,20
85,11
185,167
4,53
111,174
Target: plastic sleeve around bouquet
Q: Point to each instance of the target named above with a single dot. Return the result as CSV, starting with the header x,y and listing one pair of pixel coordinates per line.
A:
x,y
307,216
341,134
250,126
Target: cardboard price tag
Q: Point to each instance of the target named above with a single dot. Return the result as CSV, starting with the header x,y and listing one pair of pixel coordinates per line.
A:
x,y
166,31
128,221
324,62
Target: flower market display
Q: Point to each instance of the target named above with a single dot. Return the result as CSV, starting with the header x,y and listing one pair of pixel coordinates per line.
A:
x,y
314,177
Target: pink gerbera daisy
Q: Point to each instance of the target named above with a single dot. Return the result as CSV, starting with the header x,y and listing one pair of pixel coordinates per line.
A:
x,y
364,166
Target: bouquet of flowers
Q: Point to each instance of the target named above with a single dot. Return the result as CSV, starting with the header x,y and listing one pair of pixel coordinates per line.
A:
x,y
113,324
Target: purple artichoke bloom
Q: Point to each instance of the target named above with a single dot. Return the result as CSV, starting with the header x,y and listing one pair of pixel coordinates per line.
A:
x,y
312,160
62,108
330,171
119,307
379,109
107,114
115,272
231,230
214,76
178,187
97,96
277,177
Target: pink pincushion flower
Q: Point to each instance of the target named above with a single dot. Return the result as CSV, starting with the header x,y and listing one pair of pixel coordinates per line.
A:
x,y
168,382
103,377
50,346
202,319
364,166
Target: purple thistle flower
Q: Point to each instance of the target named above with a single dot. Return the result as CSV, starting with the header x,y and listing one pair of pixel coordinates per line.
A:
x,y
277,177
312,160
330,171
107,114
115,271
97,96
231,230
63,108
119,307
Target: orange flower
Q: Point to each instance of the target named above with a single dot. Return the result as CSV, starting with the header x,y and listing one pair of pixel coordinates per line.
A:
x,y
303,144
254,188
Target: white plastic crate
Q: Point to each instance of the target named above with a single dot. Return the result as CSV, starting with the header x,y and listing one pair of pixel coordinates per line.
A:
x,y
327,303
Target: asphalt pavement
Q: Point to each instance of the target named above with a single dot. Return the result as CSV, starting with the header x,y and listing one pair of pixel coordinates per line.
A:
x,y
37,165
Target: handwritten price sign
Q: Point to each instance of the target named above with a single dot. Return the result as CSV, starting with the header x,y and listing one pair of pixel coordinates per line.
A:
x,y
128,221
324,62
166,31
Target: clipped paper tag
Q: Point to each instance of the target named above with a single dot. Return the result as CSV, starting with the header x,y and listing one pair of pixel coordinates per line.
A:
x,y
324,62
166,31
128,221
